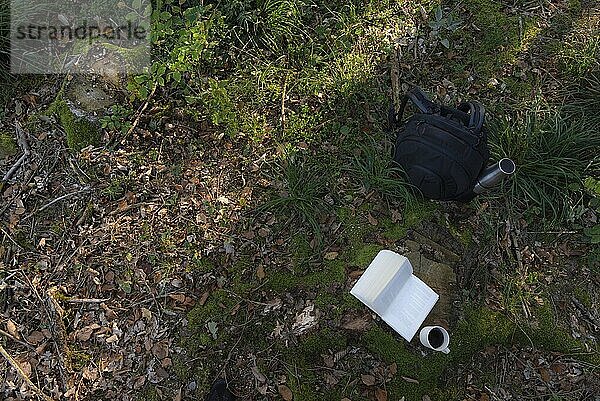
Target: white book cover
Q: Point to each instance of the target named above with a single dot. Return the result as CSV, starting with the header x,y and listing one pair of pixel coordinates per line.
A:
x,y
391,290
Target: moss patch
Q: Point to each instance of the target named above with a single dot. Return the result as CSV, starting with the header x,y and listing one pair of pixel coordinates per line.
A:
x,y
80,132
8,146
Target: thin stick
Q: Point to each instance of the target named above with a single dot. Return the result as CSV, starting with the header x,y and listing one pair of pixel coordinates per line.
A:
x,y
4,333
87,300
60,198
26,152
20,372
283,103
139,115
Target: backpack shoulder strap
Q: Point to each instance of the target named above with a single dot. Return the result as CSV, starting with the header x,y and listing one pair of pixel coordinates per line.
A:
x,y
477,115
419,99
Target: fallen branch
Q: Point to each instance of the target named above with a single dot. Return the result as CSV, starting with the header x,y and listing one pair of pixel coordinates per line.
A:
x,y
22,374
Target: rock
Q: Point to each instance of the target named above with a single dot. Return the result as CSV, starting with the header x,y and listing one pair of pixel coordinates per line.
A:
x,y
441,278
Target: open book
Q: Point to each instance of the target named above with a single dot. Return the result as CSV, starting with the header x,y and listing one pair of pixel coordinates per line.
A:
x,y
390,289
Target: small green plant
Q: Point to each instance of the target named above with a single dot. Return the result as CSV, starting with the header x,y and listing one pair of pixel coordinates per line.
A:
x,y
373,170
302,190
442,26
553,155
117,120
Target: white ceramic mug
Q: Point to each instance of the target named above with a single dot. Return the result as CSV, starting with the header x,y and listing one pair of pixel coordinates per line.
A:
x,y
424,336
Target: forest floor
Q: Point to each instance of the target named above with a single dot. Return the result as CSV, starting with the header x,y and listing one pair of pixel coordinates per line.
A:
x,y
216,231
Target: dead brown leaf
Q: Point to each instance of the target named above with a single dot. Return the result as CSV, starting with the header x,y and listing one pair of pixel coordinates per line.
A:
x,y
11,327
35,337
410,380
331,255
160,350
368,380
545,374
360,323
381,394
178,297
260,272
285,392
356,274
393,368
372,220
203,298
249,234
86,332
139,382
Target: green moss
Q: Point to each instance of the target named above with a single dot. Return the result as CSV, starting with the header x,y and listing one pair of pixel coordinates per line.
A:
x,y
149,393
481,327
414,213
8,146
583,296
333,271
362,257
500,39
427,370
216,309
80,132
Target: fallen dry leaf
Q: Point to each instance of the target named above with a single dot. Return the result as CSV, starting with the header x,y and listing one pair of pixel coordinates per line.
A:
x,y
381,394
178,297
393,368
90,373
35,337
260,272
112,339
410,380
357,324
258,375
545,374
369,380
146,313
159,350
356,274
86,332
372,220
11,327
331,255
285,392
203,298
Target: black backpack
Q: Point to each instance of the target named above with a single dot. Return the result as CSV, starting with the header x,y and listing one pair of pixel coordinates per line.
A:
x,y
442,150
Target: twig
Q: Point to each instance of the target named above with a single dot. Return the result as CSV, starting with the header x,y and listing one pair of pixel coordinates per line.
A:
x,y
585,312
63,197
60,198
87,300
26,152
10,238
139,115
20,372
284,93
4,333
